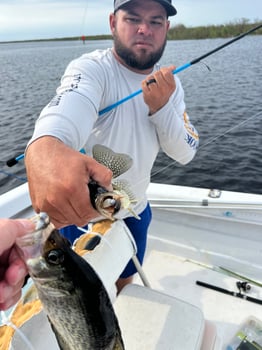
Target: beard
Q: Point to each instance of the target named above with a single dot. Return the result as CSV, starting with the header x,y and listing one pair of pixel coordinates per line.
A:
x,y
141,62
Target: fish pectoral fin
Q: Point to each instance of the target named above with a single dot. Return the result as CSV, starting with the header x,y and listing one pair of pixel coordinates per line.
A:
x,y
118,163
124,187
30,295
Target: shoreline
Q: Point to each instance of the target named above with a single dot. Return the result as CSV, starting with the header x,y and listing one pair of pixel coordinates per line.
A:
x,y
178,32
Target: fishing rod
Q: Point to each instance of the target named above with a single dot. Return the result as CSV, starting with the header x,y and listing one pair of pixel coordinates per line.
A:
x,y
229,292
181,68
12,161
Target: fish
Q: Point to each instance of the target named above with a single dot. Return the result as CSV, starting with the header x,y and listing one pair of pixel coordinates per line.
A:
x,y
73,296
109,203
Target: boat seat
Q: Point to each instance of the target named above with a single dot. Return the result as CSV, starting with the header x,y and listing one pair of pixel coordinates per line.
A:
x,y
149,319
111,255
153,320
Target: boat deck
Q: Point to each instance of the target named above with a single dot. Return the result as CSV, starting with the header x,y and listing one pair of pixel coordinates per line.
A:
x,y
173,264
170,274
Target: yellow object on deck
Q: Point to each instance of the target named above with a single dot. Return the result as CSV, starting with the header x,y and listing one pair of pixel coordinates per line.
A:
x,y
21,314
100,228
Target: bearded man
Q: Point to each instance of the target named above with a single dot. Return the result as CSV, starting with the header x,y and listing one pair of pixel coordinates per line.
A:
x,y
58,173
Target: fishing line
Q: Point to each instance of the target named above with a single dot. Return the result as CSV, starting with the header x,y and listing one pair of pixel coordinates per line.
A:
x,y
22,179
164,168
207,67
208,142
207,255
6,321
15,160
102,237
82,27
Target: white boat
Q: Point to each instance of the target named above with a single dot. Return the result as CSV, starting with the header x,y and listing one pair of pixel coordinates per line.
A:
x,y
196,234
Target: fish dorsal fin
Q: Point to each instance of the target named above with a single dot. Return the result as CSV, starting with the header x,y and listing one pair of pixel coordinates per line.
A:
x,y
118,163
123,185
123,188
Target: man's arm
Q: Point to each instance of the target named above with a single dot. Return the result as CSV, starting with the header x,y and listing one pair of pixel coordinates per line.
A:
x,y
165,98
58,177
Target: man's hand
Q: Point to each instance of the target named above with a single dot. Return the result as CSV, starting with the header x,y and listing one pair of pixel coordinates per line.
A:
x,y
58,177
158,88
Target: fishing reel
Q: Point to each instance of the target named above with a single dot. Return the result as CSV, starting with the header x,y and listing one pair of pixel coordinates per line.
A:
x,y
243,286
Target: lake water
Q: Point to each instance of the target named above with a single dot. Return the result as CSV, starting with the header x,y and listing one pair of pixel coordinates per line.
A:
x,y
224,104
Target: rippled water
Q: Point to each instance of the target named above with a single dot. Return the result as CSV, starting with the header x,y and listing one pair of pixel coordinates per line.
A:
x,y
224,104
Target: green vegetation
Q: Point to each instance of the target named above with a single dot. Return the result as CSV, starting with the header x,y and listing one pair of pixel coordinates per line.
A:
x,y
181,32
87,37
71,38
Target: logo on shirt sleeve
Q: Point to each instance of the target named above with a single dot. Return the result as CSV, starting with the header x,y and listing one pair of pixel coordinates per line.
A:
x,y
191,137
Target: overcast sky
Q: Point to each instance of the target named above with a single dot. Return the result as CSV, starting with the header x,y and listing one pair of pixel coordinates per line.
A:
x,y
37,19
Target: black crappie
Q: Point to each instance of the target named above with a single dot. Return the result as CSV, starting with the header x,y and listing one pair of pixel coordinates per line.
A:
x,y
73,297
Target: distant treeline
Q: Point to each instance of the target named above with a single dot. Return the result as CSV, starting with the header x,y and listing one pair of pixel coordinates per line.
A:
x,y
181,32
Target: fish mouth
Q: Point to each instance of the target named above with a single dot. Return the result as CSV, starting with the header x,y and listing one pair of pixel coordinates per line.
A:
x,y
37,249
30,246
108,204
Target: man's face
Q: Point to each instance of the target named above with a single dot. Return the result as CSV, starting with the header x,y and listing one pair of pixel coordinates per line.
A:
x,y
139,31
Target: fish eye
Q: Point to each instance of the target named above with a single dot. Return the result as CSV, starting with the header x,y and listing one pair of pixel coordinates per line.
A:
x,y
55,257
52,241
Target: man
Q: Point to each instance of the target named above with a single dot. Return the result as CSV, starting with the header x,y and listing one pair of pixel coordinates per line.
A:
x,y
58,174
12,268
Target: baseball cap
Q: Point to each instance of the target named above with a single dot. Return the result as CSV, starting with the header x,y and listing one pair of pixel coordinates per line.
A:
x,y
167,4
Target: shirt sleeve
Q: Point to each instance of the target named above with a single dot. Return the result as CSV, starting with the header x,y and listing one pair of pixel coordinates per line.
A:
x,y
71,114
177,136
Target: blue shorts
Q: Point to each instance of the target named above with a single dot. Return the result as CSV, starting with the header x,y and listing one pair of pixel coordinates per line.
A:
x,y
138,228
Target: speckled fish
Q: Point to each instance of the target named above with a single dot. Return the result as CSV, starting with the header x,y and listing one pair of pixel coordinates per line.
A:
x,y
73,296
110,203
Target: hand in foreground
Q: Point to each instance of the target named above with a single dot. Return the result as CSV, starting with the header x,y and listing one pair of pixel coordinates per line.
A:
x,y
12,268
58,178
158,87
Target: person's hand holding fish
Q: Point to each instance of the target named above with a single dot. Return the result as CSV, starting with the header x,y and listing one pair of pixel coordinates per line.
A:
x,y
158,88
58,178
12,268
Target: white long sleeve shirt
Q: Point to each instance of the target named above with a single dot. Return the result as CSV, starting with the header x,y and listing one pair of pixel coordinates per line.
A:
x,y
97,80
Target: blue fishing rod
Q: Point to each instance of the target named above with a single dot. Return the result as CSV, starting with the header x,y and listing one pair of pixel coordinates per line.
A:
x,y
12,161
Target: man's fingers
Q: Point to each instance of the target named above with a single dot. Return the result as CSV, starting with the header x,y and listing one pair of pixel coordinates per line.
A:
x,y
10,229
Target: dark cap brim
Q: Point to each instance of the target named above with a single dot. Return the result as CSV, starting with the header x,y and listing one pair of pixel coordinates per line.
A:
x,y
170,9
